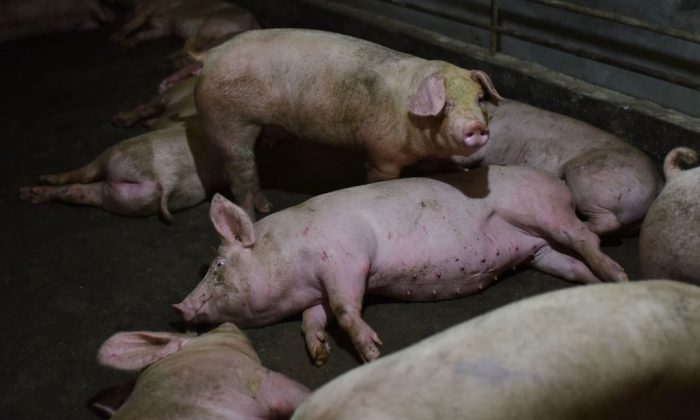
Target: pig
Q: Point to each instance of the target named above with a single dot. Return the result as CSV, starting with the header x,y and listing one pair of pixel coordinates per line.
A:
x,y
414,239
201,22
216,375
604,352
342,91
172,107
153,173
613,183
27,18
669,241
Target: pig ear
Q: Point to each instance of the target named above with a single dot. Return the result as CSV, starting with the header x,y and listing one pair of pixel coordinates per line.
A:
x,y
136,350
231,222
429,101
491,94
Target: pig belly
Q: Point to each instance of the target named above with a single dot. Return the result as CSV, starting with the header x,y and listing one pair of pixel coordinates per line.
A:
x,y
450,263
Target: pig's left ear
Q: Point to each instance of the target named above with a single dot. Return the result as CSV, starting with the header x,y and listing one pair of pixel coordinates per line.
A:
x,y
231,222
136,350
491,94
429,101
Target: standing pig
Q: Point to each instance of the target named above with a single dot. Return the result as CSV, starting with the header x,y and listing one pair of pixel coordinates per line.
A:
x,y
337,90
214,376
669,242
162,170
612,182
202,22
415,239
605,352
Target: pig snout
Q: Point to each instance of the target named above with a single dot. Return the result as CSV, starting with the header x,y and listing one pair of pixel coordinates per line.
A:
x,y
185,311
477,135
195,310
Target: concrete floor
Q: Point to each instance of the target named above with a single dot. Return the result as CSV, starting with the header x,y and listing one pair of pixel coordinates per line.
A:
x,y
73,276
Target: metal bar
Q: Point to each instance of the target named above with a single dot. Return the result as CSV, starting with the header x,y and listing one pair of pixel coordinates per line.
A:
x,y
495,39
637,68
623,20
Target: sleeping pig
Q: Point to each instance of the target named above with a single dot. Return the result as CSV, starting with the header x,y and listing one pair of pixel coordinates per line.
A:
x,y
201,22
338,90
159,171
669,242
216,375
604,352
613,183
415,239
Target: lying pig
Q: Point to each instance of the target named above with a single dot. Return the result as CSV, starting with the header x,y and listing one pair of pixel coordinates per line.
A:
x,y
213,376
159,171
173,106
669,242
26,18
415,239
612,182
605,352
202,22
337,90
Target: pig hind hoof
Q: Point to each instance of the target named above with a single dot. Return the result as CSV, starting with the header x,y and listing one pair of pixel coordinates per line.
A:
x,y
29,194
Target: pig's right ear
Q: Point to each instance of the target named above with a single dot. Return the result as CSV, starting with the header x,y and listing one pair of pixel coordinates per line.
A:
x,y
136,350
429,101
231,222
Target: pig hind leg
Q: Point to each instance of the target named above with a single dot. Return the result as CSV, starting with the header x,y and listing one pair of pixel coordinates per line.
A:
x,y
570,232
84,175
551,261
139,113
313,326
345,291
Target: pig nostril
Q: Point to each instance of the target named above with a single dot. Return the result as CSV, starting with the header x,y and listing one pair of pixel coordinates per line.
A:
x,y
470,134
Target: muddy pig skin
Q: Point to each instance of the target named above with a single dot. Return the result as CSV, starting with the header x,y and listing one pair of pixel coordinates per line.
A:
x,y
199,22
174,106
26,18
612,182
162,170
338,90
604,352
414,239
669,242
214,376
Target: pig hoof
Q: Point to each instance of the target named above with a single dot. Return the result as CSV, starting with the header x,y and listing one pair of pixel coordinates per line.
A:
x,y
370,353
261,203
318,347
30,194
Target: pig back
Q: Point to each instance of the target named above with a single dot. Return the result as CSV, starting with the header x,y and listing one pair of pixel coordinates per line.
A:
x,y
606,351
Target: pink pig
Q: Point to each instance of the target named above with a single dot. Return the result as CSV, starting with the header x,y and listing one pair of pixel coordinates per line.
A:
x,y
415,239
213,376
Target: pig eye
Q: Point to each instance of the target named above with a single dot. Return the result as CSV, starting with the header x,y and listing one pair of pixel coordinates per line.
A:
x,y
218,263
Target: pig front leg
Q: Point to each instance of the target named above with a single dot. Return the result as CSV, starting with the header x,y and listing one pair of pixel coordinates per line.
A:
x,y
345,288
313,326
558,264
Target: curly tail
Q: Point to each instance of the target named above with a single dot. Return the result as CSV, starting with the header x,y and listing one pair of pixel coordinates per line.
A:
x,y
192,52
678,159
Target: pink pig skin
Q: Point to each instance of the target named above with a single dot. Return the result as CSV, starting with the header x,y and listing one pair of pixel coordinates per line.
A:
x,y
156,172
415,239
199,22
214,376
669,241
604,352
337,90
612,182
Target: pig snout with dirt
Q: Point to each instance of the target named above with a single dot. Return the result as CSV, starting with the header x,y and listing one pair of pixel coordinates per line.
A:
x,y
415,239
201,22
669,242
26,18
159,171
612,182
216,375
172,106
604,352
337,90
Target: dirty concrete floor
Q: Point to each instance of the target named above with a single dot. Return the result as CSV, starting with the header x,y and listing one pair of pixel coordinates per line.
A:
x,y
72,276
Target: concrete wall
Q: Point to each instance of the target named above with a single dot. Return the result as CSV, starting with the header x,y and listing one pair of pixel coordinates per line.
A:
x,y
603,37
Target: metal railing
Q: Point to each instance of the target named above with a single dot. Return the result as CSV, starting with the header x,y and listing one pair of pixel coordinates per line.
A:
x,y
496,30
